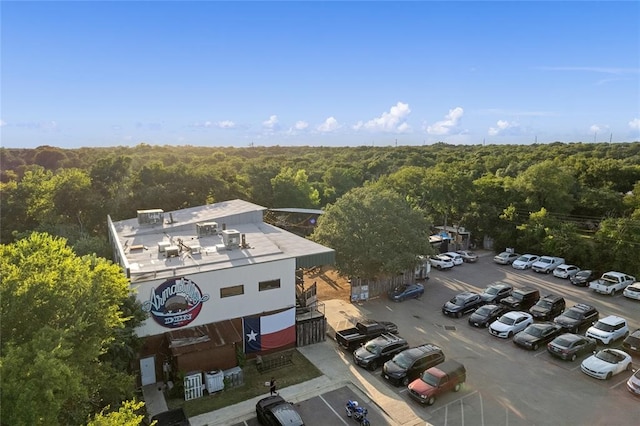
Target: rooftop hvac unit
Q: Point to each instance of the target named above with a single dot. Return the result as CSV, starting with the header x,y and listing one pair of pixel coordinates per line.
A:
x,y
195,249
231,238
207,228
172,251
150,217
162,246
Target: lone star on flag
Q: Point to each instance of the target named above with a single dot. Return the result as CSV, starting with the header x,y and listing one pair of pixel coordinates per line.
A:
x,y
252,336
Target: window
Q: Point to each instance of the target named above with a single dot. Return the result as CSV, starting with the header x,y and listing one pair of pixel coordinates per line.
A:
x,y
235,290
269,285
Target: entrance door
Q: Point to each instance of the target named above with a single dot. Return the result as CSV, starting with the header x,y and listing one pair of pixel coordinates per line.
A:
x,y
148,370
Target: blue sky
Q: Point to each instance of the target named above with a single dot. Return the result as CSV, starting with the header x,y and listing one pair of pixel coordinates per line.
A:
x,y
332,73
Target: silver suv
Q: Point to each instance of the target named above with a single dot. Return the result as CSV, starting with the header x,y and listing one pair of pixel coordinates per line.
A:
x,y
608,329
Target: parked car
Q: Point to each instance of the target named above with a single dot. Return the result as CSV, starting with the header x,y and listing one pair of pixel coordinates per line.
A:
x,y
440,261
536,335
456,257
606,363
547,308
275,411
608,329
450,375
521,299
462,303
410,291
611,283
407,366
352,337
379,350
525,261
583,277
633,384
631,343
577,317
486,314
546,264
632,291
565,271
505,258
570,346
510,323
495,292
175,417
468,256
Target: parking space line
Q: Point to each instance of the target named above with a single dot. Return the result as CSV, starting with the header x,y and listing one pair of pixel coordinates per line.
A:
x,y
462,411
334,411
481,409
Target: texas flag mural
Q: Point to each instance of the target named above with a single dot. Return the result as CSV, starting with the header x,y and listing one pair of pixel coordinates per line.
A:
x,y
269,331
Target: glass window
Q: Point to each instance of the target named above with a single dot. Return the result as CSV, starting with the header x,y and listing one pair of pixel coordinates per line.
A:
x,y
235,290
269,285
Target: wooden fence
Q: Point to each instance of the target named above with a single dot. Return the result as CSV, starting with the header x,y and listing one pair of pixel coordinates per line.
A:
x,y
362,290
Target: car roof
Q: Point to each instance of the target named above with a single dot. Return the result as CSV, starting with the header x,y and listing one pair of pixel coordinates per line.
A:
x,y
582,307
516,314
419,351
552,297
612,320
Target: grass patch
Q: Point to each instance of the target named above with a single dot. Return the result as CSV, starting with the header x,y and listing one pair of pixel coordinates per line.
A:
x,y
299,371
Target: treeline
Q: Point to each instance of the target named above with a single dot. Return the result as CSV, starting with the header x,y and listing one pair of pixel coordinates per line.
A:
x,y
578,200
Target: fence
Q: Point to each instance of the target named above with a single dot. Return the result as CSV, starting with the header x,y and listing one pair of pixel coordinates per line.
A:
x,y
362,290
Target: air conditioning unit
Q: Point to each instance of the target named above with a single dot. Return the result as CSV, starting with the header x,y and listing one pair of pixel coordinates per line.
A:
x,y
195,249
207,228
162,246
150,217
172,251
231,238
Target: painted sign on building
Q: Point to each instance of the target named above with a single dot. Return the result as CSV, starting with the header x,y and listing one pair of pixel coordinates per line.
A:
x,y
175,303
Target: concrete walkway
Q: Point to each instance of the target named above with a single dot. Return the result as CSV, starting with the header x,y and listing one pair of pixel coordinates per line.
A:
x,y
338,371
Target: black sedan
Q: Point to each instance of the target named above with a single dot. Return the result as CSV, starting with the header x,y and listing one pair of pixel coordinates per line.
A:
x,y
274,410
583,278
463,303
485,315
537,334
569,346
411,291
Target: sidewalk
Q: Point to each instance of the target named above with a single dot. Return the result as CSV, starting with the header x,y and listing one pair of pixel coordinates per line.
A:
x,y
338,371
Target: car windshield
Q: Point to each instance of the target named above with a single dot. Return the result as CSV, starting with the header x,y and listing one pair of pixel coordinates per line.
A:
x,y
491,290
609,356
400,289
633,289
534,331
507,320
483,310
544,304
583,274
604,326
372,348
523,258
458,300
561,341
429,379
517,295
572,314
633,340
401,361
545,260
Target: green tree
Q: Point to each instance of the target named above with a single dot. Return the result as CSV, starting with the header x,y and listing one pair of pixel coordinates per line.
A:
x,y
127,415
375,233
66,320
547,184
291,188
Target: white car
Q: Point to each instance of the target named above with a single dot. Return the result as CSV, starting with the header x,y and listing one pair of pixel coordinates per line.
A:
x,y
510,323
633,384
505,258
608,329
632,291
456,257
606,363
440,261
546,264
525,261
565,271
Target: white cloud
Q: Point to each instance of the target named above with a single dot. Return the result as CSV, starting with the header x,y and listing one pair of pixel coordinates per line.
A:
x,y
301,125
445,126
635,124
392,121
595,128
226,124
329,125
2,123
501,126
271,124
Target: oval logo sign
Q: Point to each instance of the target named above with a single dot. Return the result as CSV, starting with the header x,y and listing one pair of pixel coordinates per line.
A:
x,y
175,303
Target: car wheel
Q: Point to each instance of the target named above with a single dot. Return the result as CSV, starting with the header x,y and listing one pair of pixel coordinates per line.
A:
x,y
629,367
608,375
405,381
509,335
458,314
573,357
457,387
535,346
373,366
431,400
438,267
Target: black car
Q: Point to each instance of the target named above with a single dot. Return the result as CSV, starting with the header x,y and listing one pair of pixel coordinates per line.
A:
x,y
379,350
536,335
631,343
496,292
569,346
410,363
486,314
461,304
547,308
583,278
275,411
521,299
577,317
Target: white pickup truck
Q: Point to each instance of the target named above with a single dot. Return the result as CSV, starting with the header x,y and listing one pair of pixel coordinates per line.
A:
x,y
611,283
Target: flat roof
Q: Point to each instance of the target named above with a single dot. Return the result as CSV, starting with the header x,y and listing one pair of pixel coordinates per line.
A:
x,y
142,248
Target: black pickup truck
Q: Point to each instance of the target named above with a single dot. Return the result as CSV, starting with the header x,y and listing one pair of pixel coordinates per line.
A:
x,y
352,338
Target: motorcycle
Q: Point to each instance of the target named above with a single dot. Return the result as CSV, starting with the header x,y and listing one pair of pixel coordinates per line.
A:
x,y
358,413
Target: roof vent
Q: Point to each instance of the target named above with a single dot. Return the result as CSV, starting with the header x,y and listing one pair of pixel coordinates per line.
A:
x,y
231,238
150,217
